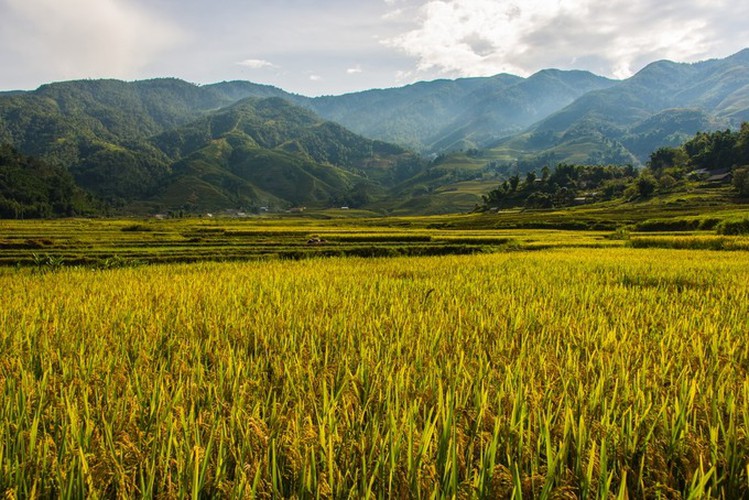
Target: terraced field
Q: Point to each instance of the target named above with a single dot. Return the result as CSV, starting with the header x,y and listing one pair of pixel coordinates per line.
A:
x,y
101,242
257,358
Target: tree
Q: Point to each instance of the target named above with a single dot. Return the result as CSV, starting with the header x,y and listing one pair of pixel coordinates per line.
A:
x,y
32,188
545,172
646,184
564,196
741,181
565,175
666,182
712,151
514,181
530,179
666,158
742,145
539,200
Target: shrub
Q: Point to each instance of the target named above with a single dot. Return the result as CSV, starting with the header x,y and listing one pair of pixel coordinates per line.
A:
x,y
652,225
741,181
733,226
137,228
620,234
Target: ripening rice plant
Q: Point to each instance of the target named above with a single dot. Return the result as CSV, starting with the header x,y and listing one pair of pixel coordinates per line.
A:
x,y
565,373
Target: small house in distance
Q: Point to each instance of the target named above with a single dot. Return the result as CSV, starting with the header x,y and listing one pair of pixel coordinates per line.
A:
x,y
720,177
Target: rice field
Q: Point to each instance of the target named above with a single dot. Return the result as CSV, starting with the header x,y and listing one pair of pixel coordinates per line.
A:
x,y
559,373
106,243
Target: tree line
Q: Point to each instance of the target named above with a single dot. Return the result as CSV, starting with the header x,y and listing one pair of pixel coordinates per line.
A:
x,y
32,188
721,155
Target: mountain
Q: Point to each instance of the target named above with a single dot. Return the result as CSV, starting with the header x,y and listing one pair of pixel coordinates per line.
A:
x,y
57,117
169,144
662,105
99,129
501,112
268,152
407,115
441,115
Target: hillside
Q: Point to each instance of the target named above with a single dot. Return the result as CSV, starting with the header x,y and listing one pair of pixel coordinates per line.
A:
x,y
709,166
604,122
445,115
261,152
166,144
30,188
662,105
99,129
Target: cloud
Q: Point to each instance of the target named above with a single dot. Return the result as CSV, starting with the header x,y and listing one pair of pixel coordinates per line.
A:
x,y
354,71
256,63
612,37
81,38
315,78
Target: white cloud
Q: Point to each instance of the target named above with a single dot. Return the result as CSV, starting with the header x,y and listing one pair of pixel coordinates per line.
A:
x,y
392,15
395,41
82,38
315,78
355,70
256,63
614,37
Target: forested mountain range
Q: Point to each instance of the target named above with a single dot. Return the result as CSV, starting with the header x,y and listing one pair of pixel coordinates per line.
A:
x,y
167,144
661,105
269,151
444,115
170,144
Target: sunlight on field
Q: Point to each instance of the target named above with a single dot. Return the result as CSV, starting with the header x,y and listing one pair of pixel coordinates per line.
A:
x,y
558,372
114,243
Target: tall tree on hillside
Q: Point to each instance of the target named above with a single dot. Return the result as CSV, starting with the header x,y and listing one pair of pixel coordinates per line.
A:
x,y
712,151
741,181
646,184
530,178
666,158
742,145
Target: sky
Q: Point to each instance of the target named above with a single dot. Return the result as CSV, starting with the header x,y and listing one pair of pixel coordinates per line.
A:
x,y
324,47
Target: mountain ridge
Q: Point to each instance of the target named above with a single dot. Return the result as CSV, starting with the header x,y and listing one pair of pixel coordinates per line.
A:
x,y
147,142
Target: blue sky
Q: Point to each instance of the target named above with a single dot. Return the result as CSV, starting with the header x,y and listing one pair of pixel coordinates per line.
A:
x,y
336,46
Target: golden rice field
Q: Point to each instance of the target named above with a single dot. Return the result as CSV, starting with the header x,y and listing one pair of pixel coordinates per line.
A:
x,y
558,373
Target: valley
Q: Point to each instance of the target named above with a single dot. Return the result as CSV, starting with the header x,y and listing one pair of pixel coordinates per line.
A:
x,y
497,287
428,148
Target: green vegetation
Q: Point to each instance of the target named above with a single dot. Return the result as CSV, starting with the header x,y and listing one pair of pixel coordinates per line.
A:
x,y
708,161
30,188
270,153
99,242
661,106
717,151
582,337
445,115
99,130
167,145
548,362
734,226
567,372
566,185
